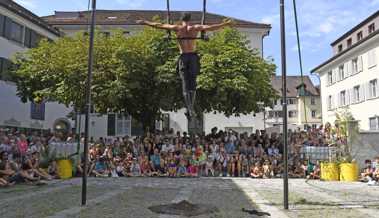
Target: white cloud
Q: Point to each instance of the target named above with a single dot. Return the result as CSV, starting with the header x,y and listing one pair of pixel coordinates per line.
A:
x,y
271,19
31,4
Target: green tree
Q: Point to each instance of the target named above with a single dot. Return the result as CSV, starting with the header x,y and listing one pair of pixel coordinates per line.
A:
x,y
137,74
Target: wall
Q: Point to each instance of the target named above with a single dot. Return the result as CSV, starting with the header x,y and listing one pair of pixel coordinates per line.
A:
x,y
12,107
366,146
353,36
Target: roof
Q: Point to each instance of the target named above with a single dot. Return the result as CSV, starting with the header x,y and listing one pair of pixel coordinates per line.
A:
x,y
293,82
129,17
355,28
28,15
372,35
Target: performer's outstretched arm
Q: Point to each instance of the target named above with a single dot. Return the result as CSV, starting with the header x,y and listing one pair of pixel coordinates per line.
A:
x,y
214,27
158,25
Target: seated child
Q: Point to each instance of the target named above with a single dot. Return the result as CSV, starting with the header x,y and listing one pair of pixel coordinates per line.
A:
x,y
267,171
256,171
209,171
171,168
135,169
182,169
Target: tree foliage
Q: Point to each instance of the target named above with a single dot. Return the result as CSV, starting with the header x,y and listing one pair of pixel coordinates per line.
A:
x,y
137,74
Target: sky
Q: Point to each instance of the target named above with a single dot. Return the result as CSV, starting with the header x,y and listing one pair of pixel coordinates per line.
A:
x,y
320,21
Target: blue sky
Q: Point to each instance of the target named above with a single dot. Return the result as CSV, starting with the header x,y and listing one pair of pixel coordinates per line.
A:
x,y
321,21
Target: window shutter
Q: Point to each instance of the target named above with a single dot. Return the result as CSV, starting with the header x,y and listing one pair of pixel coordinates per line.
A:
x,y
367,90
361,93
360,64
2,24
349,67
335,75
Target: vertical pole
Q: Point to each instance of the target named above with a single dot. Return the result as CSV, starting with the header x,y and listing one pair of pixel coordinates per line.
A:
x,y
168,18
88,103
203,18
284,93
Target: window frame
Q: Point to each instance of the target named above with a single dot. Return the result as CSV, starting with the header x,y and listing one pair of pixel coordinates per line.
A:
x,y
313,113
359,36
371,28
349,42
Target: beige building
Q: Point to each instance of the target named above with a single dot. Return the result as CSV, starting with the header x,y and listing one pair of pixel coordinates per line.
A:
x,y
303,110
349,79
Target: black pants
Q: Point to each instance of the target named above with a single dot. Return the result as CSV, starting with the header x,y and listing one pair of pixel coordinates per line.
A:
x,y
188,67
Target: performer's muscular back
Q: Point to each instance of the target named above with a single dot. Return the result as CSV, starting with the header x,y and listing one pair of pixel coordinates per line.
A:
x,y
184,34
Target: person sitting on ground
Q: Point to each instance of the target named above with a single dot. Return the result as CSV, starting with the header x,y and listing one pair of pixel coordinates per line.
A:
x,y
267,171
172,168
5,170
367,172
34,164
52,169
209,170
135,169
256,171
155,163
101,169
182,169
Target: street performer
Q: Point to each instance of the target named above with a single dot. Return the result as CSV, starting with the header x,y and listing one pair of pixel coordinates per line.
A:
x,y
188,65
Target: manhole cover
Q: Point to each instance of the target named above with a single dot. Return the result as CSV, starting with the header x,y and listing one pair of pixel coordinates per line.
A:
x,y
183,208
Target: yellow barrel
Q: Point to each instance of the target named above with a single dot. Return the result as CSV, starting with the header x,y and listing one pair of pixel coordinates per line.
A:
x,y
349,172
64,169
329,171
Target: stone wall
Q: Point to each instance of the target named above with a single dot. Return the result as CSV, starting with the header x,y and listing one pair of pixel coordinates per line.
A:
x,y
365,146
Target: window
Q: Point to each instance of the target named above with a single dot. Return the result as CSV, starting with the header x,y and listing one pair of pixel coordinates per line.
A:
x,y
373,88
374,123
313,101
355,65
342,98
165,122
314,126
371,58
6,67
111,125
313,114
292,114
349,43
118,124
291,101
330,78
37,111
122,125
371,28
13,30
2,25
341,72
330,102
359,36
357,94
340,48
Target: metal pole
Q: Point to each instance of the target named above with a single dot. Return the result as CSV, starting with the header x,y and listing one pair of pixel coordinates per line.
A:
x,y
284,93
203,18
88,103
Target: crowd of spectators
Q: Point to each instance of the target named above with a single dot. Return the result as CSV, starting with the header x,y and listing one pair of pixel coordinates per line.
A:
x,y
220,153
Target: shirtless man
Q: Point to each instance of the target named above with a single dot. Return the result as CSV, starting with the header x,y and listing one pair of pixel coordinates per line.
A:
x,y
188,65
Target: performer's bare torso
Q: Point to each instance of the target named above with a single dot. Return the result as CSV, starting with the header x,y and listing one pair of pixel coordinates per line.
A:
x,y
187,45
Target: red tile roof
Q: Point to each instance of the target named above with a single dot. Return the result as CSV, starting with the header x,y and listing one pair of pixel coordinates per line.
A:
x,y
129,17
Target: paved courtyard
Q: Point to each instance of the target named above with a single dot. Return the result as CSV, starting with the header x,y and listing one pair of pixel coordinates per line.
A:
x,y
131,197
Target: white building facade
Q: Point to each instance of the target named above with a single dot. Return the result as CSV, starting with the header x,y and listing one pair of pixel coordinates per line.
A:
x,y
349,80
20,30
116,125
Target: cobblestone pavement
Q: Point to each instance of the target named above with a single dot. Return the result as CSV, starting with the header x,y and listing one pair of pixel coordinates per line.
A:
x,y
131,197
123,197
